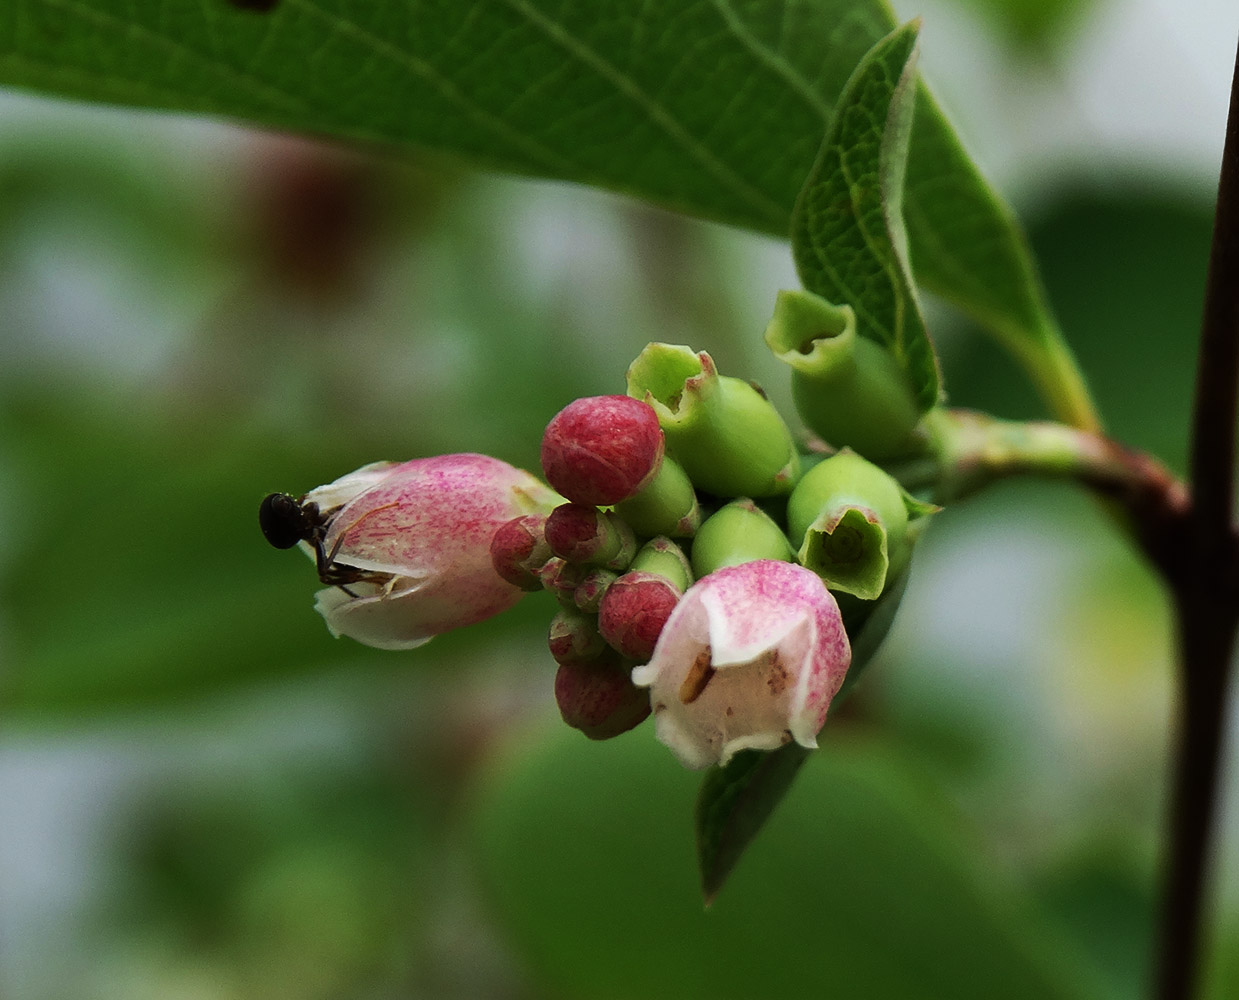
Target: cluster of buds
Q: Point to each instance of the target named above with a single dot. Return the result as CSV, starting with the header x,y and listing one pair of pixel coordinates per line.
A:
x,y
705,570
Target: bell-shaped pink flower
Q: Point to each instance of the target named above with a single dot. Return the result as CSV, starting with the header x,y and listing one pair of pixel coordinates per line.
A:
x,y
409,544
749,660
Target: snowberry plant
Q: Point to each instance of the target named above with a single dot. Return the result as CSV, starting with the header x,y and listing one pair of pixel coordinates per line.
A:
x,y
713,565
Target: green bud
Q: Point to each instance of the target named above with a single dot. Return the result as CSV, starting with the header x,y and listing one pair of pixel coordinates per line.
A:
x,y
728,437
667,506
662,557
850,522
738,533
848,389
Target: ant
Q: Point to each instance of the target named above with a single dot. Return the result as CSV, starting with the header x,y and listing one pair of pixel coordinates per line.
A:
x,y
285,521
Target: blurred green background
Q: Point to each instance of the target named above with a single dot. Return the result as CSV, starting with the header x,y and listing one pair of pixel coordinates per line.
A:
x,y
205,796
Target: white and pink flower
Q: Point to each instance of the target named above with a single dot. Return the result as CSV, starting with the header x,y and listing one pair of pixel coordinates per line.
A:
x,y
419,535
750,659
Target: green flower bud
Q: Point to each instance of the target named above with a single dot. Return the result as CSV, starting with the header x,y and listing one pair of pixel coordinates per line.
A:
x,y
850,522
848,389
738,533
667,506
728,437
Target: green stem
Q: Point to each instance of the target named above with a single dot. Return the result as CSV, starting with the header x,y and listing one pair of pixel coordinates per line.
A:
x,y
971,450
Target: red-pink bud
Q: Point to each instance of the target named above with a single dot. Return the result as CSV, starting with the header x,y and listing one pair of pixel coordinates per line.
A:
x,y
583,534
561,578
519,550
602,449
633,612
589,592
574,638
599,697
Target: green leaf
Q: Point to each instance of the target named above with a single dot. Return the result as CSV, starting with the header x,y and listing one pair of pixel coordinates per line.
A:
x,y
865,885
733,804
714,108
847,230
966,245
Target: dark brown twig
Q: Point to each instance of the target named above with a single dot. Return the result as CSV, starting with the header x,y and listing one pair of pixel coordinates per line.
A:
x,y
1203,581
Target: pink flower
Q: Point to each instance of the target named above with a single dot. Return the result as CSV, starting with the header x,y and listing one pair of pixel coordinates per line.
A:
x,y
408,545
749,660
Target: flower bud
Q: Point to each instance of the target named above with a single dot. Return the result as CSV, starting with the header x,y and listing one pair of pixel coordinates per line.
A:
x,y
574,638
738,533
729,438
602,449
667,506
519,550
849,520
749,660
599,698
407,546
588,593
849,389
587,536
633,612
561,578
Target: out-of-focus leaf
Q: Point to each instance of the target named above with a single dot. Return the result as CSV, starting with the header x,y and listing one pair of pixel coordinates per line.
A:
x,y
716,108
138,572
862,888
1126,269
848,234
1103,898
1031,24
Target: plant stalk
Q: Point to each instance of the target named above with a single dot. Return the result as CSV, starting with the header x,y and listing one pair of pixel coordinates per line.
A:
x,y
1204,579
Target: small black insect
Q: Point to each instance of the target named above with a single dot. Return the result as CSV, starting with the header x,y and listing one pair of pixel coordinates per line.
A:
x,y
285,521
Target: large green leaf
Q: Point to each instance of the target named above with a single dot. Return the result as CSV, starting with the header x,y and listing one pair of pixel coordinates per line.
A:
x,y
716,108
863,886
848,233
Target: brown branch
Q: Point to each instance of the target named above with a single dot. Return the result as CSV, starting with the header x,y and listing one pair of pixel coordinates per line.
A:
x,y
1202,578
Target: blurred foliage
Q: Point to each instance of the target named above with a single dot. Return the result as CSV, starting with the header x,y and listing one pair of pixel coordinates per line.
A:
x,y
861,886
1034,26
181,335
1125,269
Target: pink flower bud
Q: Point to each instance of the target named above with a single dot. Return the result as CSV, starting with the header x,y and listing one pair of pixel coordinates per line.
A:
x,y
408,546
574,638
518,551
561,578
602,449
633,612
749,660
588,594
599,698
583,534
